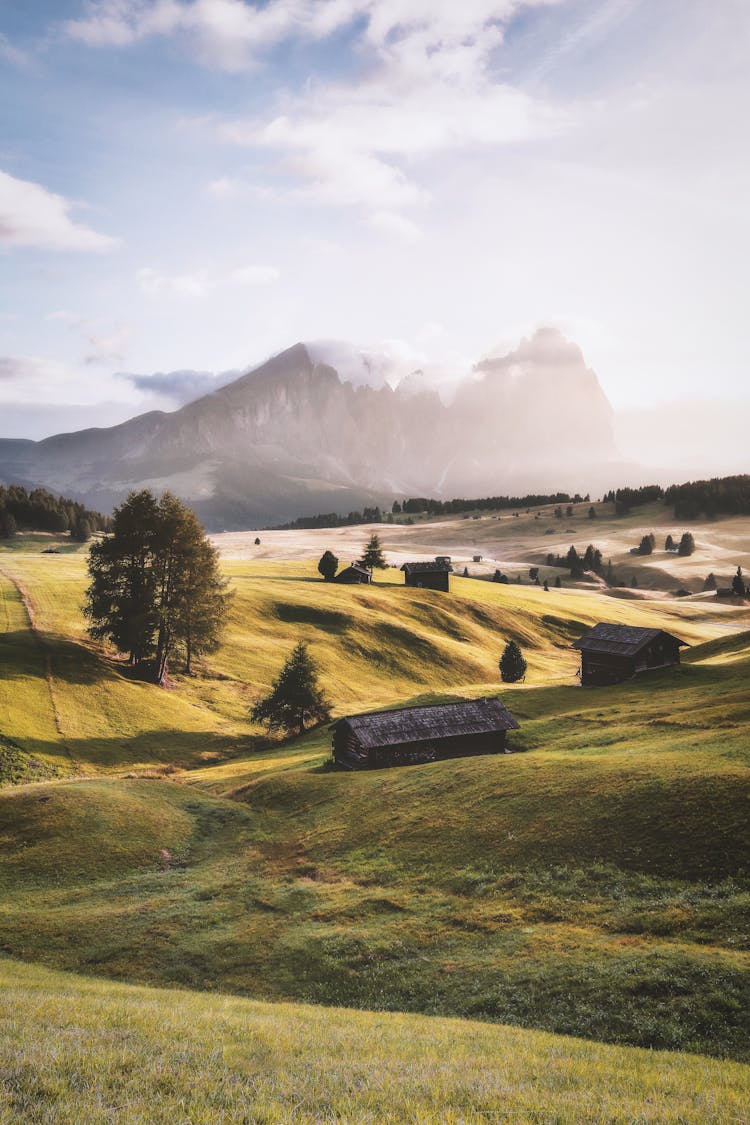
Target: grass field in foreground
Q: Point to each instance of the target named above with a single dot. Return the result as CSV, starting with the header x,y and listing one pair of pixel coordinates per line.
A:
x,y
76,1050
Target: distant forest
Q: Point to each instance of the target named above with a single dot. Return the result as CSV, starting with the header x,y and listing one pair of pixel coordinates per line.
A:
x,y
40,510
720,496
421,505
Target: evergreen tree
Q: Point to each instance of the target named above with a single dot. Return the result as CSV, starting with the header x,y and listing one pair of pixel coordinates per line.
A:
x,y
8,526
592,512
328,565
295,697
573,561
81,530
373,558
647,546
155,587
257,541
634,581
738,584
669,543
512,664
687,544
558,583
710,583
396,509
546,586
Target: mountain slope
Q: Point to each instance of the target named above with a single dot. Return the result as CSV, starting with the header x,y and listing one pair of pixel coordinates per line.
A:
x,y
294,436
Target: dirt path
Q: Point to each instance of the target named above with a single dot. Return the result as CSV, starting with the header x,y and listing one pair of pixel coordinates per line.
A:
x,y
46,650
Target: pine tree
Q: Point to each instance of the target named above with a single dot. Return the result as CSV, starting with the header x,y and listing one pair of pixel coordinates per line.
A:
x,y
373,558
81,530
738,584
295,698
512,664
155,588
710,583
8,526
669,543
592,512
558,583
328,565
687,544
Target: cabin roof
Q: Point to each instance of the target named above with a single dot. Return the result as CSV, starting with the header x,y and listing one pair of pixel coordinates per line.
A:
x,y
435,566
420,724
356,568
621,640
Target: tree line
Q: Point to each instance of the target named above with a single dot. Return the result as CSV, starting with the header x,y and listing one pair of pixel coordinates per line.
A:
x,y
40,510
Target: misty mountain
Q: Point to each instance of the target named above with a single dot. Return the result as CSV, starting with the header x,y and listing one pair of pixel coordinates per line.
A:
x,y
295,436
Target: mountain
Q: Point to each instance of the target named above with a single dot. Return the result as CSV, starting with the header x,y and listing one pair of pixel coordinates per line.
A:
x,y
298,435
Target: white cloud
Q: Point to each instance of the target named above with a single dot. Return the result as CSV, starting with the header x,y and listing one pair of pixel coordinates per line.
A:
x,y
255,275
32,216
429,87
154,283
388,222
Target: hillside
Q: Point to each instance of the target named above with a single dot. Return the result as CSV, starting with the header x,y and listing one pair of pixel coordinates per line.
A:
x,y
135,1054
594,882
297,436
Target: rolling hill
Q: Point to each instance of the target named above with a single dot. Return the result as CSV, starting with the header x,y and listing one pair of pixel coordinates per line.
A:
x,y
592,883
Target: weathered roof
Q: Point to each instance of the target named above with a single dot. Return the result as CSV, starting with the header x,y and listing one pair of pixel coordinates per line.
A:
x,y
425,567
621,640
420,724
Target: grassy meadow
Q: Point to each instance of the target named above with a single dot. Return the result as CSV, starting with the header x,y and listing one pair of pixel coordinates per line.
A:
x,y
594,883
76,1049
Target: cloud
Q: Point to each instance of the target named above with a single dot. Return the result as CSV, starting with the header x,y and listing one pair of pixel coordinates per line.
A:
x,y
104,343
32,216
388,222
179,386
427,86
12,54
228,34
153,283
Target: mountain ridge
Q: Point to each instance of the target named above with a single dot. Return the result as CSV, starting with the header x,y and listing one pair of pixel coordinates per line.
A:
x,y
293,436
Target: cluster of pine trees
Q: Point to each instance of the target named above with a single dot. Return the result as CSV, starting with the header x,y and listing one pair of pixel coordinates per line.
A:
x,y
591,560
720,496
40,510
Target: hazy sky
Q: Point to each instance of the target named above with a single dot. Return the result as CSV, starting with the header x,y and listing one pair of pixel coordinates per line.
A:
x,y
195,184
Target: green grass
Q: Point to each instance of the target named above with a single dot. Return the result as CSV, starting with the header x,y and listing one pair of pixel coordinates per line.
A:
x,y
76,1049
595,883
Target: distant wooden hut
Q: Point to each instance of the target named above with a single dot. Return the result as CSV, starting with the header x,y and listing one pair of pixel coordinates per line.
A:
x,y
613,653
433,575
354,575
421,734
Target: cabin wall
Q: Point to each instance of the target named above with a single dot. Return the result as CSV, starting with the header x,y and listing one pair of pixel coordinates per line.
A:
x,y
437,750
437,580
598,669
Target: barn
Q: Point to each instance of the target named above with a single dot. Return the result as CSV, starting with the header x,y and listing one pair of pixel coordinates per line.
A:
x,y
421,734
354,575
433,575
613,653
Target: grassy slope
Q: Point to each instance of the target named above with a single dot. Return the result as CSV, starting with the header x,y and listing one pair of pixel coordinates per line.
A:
x,y
77,1050
595,885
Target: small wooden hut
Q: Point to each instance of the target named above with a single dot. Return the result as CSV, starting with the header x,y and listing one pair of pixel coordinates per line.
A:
x,y
613,653
433,575
354,575
421,734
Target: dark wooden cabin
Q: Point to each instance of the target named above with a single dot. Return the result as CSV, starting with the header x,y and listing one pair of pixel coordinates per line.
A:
x,y
421,734
354,575
433,575
613,653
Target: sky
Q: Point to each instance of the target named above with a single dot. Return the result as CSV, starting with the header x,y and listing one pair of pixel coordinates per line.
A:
x,y
189,186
